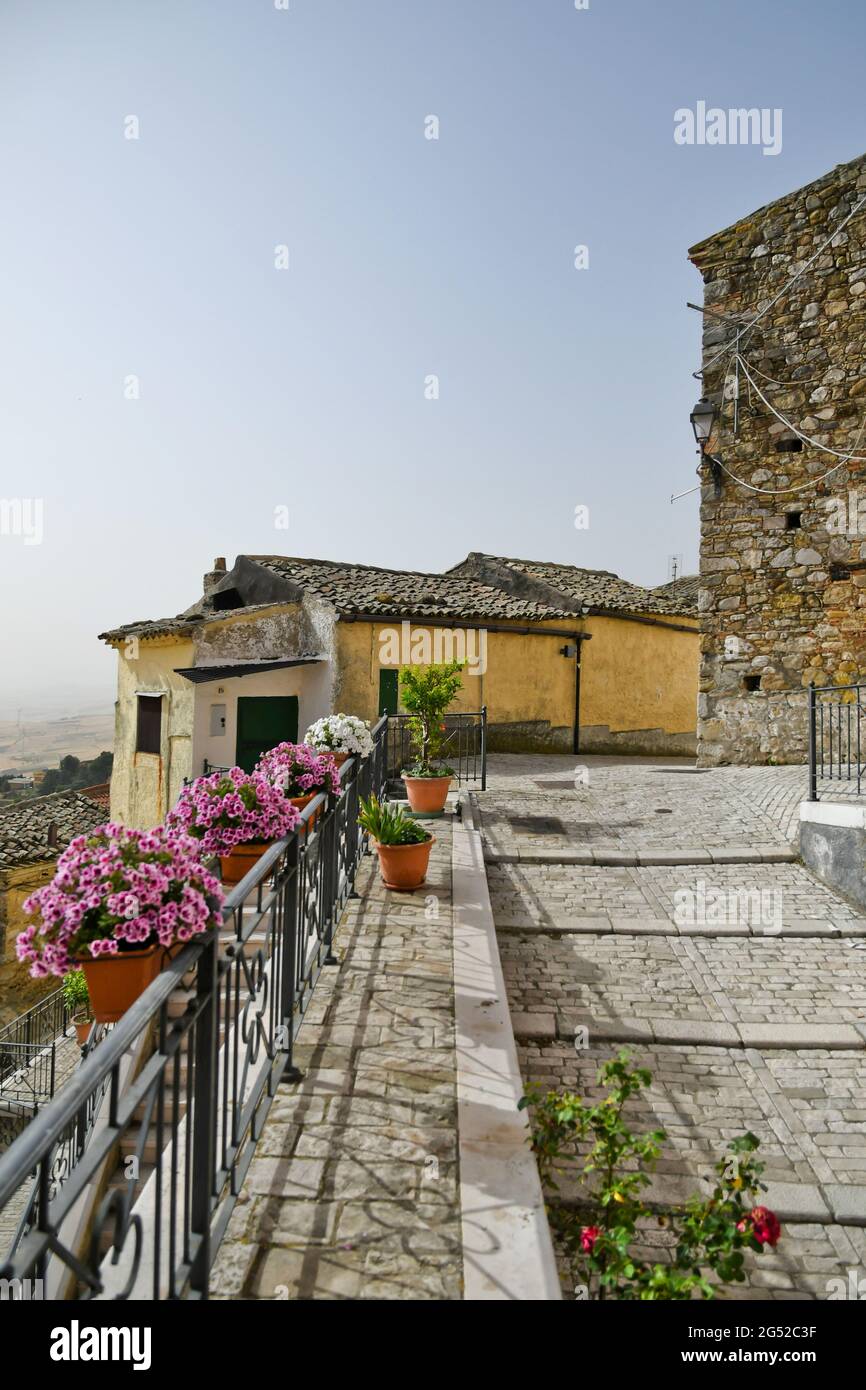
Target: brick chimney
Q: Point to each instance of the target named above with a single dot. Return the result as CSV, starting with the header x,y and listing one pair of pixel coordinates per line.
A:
x,y
214,576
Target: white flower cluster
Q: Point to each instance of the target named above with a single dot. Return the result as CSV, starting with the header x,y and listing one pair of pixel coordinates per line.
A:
x,y
340,733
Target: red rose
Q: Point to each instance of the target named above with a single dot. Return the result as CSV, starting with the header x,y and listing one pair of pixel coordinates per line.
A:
x,y
765,1225
588,1236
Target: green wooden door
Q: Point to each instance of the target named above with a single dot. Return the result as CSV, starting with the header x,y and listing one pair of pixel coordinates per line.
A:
x,y
388,692
263,722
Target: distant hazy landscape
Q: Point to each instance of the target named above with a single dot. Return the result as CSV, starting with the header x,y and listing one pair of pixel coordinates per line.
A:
x,y
42,741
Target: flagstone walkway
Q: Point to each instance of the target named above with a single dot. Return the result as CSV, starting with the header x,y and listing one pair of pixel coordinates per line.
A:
x,y
649,905
353,1190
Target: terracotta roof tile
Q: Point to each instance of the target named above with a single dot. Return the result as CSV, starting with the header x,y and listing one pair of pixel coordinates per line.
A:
x,y
25,826
581,590
392,593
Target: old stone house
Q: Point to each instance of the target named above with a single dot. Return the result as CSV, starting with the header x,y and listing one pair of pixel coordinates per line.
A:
x,y
783,504
277,641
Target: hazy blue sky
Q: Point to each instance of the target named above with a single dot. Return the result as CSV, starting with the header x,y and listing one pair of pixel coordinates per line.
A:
x,y
262,388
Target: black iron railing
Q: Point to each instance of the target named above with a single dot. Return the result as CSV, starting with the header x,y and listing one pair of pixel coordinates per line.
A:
x,y
464,746
216,1033
30,1073
67,1153
837,741
25,1039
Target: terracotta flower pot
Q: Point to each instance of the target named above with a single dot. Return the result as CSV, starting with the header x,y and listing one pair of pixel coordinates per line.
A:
x,y
82,1029
339,758
427,795
404,867
115,982
237,864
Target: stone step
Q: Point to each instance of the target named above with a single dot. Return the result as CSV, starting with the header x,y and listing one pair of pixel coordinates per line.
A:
x,y
616,856
574,923
793,1202
547,1026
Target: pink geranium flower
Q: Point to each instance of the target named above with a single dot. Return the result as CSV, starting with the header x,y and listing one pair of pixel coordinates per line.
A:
x,y
233,808
114,890
299,770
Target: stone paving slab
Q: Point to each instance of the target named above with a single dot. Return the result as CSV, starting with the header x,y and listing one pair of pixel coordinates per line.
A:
x,y
352,1191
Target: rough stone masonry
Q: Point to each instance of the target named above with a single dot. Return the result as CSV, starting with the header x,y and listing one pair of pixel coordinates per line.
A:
x,y
783,570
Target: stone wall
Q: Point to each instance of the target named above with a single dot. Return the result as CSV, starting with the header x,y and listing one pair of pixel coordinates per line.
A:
x,y
783,577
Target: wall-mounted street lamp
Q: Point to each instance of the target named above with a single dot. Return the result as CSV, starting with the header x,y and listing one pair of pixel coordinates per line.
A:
x,y
702,418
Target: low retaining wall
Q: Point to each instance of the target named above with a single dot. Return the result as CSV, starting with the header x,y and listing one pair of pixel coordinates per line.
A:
x,y
833,845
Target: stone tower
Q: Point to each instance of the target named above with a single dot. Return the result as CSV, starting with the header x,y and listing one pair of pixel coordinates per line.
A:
x,y
783,516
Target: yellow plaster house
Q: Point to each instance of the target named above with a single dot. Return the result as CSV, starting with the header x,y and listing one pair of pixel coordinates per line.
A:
x,y
276,642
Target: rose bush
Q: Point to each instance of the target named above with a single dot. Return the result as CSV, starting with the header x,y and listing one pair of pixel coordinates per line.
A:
x,y
299,770
118,890
233,808
595,1145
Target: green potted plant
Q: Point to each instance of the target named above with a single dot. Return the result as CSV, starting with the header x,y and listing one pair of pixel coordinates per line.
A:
x,y
403,846
426,692
76,997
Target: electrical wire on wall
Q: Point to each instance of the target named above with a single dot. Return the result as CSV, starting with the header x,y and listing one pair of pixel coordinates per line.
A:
x,y
742,333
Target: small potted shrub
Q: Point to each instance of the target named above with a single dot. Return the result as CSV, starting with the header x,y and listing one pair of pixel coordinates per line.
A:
x,y
426,694
342,735
120,899
236,815
77,1001
403,846
300,773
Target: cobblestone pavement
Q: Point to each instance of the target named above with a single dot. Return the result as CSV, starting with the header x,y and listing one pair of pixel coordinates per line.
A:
x,y
352,1192
738,897
741,985
550,803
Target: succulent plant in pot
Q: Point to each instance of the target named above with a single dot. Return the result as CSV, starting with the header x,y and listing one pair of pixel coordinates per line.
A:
x,y
403,846
426,692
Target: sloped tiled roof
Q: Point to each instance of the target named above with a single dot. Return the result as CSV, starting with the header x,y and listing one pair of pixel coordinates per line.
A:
x,y
392,593
581,590
100,792
683,590
25,827
183,625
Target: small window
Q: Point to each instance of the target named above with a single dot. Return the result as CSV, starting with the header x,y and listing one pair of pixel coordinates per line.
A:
x,y
789,446
148,737
751,682
793,521
226,599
